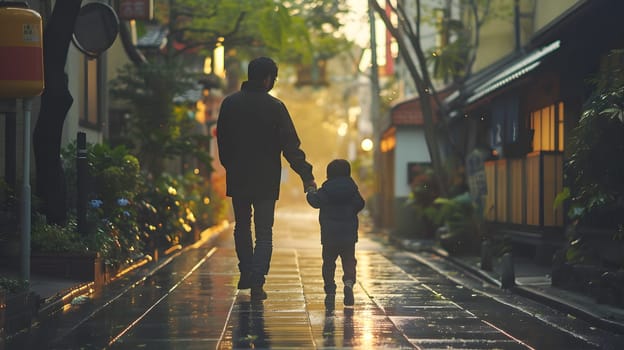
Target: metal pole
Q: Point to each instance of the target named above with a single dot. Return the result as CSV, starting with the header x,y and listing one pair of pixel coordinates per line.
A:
x,y
26,196
81,182
374,111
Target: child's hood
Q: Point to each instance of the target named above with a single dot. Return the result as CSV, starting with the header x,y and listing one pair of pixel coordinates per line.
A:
x,y
340,189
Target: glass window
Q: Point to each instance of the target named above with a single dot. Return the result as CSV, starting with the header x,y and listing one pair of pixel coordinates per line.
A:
x,y
547,126
90,108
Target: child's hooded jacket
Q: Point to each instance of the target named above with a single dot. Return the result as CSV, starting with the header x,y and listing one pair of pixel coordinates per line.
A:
x,y
339,202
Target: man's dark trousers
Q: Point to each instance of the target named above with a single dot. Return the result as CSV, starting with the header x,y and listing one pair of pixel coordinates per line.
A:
x,y
331,252
255,261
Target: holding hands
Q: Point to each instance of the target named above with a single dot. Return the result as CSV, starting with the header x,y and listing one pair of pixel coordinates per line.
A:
x,y
309,186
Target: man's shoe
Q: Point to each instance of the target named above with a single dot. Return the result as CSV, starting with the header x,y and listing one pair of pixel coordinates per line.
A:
x,y
245,280
257,293
348,296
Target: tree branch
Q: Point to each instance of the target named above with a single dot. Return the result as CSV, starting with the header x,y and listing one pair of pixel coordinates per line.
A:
x,y
424,93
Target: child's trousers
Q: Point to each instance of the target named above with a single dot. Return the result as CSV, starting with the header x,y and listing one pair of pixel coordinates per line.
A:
x,y
331,252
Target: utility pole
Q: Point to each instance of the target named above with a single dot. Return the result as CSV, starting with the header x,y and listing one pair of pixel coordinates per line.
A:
x,y
26,195
374,110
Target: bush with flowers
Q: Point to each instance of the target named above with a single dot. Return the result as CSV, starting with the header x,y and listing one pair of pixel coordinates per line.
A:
x,y
129,215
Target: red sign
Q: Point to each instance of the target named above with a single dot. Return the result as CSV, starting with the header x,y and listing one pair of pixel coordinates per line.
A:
x,y
136,9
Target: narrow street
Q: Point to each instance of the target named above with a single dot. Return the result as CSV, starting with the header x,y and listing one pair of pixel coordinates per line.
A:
x,y
402,300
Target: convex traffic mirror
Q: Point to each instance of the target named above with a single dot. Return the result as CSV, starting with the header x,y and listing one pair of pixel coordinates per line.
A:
x,y
96,28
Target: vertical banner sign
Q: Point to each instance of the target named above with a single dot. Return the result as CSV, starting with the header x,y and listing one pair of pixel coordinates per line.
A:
x,y
136,9
475,171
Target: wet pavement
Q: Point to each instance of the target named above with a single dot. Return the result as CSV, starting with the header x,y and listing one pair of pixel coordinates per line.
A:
x,y
403,300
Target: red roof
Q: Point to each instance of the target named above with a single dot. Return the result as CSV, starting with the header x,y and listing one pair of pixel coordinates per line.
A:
x,y
409,112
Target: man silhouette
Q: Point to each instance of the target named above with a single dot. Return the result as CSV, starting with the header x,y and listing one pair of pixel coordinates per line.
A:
x,y
253,130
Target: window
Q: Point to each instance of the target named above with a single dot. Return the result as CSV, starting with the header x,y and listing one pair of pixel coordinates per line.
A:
x,y
89,114
547,126
388,141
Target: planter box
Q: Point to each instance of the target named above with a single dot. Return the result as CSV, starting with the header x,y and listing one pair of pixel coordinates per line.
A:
x,y
18,311
82,267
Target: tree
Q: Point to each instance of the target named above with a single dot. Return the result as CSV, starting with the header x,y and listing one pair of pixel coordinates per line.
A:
x,y
457,57
160,129
55,102
298,33
596,191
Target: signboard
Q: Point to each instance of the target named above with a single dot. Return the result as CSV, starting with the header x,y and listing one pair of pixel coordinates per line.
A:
x,y
475,172
136,9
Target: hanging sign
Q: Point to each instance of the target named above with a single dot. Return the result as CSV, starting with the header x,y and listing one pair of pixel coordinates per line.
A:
x,y
136,9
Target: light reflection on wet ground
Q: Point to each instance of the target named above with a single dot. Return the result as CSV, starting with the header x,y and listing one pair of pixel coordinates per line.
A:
x,y
193,303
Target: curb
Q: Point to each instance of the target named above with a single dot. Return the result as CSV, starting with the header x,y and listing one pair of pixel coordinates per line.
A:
x,y
60,301
525,291
482,274
562,305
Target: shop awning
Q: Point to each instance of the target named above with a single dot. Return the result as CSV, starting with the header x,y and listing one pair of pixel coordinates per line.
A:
x,y
514,71
483,85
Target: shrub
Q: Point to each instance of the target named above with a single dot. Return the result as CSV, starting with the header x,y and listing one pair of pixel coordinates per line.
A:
x,y
127,214
52,238
595,177
461,223
113,183
13,285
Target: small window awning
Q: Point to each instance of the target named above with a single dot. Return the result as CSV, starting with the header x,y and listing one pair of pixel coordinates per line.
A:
x,y
505,74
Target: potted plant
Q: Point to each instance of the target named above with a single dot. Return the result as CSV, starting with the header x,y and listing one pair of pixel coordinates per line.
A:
x,y
18,305
459,220
59,251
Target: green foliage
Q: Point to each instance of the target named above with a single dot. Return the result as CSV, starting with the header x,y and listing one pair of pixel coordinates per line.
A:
x,y
295,31
416,216
449,62
174,208
453,211
461,220
321,19
112,221
455,222
201,25
166,214
207,206
595,195
159,128
8,211
52,238
12,285
595,177
127,217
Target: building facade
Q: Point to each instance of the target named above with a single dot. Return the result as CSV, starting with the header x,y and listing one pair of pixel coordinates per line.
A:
x,y
522,108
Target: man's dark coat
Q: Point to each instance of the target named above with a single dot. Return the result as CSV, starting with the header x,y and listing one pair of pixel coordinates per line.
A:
x,y
339,202
253,130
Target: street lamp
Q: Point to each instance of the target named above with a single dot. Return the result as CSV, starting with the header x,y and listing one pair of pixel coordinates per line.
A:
x,y
342,129
366,145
